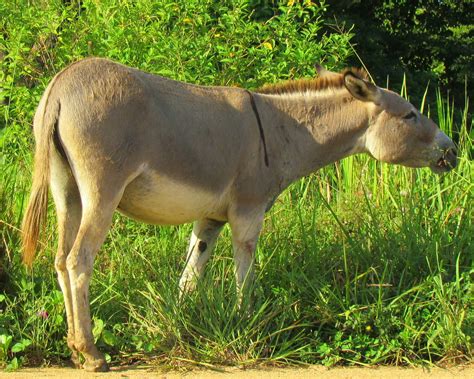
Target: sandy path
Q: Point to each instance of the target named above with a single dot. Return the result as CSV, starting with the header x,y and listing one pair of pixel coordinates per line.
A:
x,y
231,373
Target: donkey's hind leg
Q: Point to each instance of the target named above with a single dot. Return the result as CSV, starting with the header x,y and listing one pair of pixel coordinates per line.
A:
x,y
99,201
68,210
203,239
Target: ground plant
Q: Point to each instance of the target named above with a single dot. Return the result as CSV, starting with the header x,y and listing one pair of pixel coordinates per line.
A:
x,y
360,263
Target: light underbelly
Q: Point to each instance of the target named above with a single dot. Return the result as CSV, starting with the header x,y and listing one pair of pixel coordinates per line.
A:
x,y
159,200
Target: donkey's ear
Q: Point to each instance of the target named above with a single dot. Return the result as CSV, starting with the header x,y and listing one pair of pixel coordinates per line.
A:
x,y
361,89
322,71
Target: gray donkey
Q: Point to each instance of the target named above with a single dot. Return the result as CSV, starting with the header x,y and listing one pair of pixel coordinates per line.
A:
x,y
109,137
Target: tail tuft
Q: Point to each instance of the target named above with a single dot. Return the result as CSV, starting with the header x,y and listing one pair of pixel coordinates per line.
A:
x,y
34,218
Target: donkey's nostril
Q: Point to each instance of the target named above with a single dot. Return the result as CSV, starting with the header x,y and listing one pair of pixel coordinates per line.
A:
x,y
451,152
450,157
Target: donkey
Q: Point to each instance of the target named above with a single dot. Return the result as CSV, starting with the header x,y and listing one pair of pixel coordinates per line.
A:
x,y
109,137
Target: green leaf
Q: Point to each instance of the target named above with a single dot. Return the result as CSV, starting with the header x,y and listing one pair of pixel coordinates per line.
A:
x,y
5,341
148,347
98,328
21,346
109,338
13,365
18,347
108,358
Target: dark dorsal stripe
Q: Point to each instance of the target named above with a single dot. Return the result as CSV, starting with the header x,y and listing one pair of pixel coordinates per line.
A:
x,y
260,128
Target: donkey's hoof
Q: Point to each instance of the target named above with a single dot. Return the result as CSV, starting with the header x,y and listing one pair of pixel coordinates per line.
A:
x,y
75,360
96,365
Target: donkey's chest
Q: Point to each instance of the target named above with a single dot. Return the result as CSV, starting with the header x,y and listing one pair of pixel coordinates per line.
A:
x,y
159,200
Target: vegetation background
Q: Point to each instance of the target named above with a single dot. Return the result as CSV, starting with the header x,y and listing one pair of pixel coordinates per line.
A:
x,y
359,263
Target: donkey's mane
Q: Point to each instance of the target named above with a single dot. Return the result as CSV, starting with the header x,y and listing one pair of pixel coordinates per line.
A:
x,y
331,80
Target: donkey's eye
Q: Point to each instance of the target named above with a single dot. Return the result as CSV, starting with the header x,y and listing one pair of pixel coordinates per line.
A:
x,y
409,116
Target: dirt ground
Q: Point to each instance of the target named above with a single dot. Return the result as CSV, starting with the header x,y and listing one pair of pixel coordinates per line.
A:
x,y
312,372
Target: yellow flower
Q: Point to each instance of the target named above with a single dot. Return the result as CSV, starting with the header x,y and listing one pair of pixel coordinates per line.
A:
x,y
267,45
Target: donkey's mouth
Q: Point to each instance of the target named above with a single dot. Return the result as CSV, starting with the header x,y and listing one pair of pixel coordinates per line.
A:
x,y
440,166
444,164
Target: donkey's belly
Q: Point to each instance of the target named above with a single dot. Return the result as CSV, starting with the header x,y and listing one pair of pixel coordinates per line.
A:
x,y
159,200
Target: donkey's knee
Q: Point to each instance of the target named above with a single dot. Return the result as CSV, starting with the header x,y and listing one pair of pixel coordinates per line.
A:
x,y
246,225
246,248
79,272
60,262
244,256
203,238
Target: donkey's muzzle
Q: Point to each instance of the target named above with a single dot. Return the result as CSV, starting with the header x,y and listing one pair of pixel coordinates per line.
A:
x,y
445,154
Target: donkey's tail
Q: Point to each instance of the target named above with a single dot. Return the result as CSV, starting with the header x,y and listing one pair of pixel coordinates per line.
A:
x,y
45,123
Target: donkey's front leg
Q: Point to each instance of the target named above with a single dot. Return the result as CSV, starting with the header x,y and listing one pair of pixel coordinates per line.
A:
x,y
246,224
202,242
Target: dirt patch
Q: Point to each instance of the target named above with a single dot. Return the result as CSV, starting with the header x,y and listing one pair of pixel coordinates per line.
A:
x,y
273,373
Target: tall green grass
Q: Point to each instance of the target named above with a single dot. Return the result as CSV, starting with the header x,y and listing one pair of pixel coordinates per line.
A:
x,y
359,263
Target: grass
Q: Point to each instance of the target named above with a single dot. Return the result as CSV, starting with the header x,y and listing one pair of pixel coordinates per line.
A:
x,y
360,263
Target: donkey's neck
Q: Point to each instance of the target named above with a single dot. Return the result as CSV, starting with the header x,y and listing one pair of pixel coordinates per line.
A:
x,y
309,131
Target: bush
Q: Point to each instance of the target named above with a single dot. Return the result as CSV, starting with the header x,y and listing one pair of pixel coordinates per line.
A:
x,y
199,41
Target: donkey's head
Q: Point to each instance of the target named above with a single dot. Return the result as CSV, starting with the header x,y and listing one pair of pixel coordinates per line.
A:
x,y
397,132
